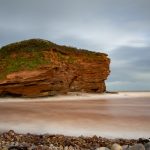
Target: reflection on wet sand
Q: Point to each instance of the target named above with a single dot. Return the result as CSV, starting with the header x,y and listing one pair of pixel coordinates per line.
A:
x,y
127,117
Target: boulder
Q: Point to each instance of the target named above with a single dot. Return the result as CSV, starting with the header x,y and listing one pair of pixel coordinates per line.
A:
x,y
137,147
147,146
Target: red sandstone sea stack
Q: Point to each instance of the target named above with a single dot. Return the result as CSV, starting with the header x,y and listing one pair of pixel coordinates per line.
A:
x,y
36,67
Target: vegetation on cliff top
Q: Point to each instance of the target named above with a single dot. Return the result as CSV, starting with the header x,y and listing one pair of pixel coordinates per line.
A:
x,y
28,55
32,45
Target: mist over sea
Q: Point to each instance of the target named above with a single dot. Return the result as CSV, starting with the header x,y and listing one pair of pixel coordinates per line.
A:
x,y
125,115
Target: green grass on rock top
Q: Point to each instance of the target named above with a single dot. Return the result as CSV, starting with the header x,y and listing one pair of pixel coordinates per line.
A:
x,y
28,55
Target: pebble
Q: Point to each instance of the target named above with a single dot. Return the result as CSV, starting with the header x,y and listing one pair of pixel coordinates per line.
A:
x,y
61,147
116,147
126,147
66,148
70,148
102,148
32,147
4,148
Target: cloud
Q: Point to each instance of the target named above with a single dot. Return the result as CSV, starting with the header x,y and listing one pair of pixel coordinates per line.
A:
x,y
106,24
130,65
119,28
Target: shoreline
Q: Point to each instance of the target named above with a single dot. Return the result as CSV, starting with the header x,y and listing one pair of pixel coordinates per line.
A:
x,y
27,140
77,96
15,141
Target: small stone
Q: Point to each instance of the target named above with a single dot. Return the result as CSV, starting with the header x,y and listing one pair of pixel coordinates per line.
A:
x,y
32,147
137,147
102,148
70,148
61,147
126,147
16,143
12,144
11,132
116,147
45,147
40,147
51,145
4,148
66,148
147,146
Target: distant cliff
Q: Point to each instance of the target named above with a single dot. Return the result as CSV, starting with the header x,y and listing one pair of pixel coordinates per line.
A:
x,y
36,67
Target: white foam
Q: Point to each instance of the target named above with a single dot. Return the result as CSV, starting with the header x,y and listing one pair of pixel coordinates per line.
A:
x,y
80,96
69,130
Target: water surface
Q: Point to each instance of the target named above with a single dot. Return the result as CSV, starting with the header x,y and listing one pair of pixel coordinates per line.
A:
x,y
123,115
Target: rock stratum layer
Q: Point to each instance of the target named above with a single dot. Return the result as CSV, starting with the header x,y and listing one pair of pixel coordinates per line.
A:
x,y
36,67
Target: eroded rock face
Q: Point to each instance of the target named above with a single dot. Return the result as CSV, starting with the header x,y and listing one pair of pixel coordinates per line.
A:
x,y
67,71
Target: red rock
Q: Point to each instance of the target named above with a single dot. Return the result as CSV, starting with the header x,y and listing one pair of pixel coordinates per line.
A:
x,y
67,71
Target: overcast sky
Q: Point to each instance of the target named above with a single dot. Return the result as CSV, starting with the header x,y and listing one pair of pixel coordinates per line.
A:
x,y
120,28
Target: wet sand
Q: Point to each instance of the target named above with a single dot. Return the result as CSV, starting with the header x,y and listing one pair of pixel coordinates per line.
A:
x,y
113,117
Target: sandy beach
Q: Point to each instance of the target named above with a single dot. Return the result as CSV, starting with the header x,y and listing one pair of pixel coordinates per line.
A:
x,y
122,115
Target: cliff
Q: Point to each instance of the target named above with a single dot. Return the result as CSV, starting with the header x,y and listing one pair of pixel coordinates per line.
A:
x,y
36,67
